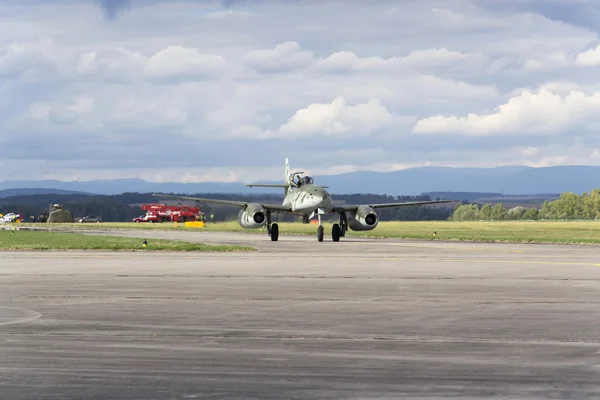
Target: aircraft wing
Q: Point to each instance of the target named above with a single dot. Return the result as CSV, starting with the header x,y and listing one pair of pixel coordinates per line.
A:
x,y
349,208
233,203
283,185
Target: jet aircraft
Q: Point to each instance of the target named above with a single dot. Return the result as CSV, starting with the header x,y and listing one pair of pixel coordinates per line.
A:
x,y
304,197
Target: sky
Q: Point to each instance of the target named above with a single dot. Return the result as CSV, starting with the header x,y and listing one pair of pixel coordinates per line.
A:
x,y
224,90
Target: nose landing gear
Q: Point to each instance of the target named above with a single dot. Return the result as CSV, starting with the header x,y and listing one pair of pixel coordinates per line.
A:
x,y
337,231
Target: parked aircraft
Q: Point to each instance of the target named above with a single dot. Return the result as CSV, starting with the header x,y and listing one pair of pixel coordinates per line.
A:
x,y
304,197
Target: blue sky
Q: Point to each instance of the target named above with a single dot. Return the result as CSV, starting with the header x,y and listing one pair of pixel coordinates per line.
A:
x,y
196,90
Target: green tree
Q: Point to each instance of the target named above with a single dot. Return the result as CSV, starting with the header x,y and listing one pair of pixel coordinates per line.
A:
x,y
516,213
486,212
531,213
498,212
465,212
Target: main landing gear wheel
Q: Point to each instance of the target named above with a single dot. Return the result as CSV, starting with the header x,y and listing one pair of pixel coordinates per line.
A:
x,y
343,224
336,233
320,233
274,232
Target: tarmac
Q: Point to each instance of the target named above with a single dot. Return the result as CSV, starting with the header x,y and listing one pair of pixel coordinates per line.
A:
x,y
298,319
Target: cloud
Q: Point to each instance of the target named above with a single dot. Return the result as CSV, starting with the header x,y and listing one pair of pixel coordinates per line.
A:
x,y
154,116
111,64
284,57
588,58
337,119
205,75
31,60
58,113
548,61
348,61
221,15
543,112
172,62
290,56
435,57
178,61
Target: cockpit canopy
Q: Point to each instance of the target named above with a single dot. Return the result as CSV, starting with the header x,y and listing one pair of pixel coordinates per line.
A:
x,y
299,180
307,180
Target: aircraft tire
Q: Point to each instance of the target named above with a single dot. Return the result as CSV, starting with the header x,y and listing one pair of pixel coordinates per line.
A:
x,y
336,233
274,232
320,233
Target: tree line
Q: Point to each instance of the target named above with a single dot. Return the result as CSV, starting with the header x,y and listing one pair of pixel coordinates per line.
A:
x,y
124,207
567,206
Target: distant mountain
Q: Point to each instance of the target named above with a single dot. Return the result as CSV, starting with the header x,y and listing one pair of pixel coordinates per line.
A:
x,y
508,180
32,191
118,186
511,180
427,179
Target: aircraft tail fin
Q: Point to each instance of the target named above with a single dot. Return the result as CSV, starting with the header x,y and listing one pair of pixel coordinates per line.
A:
x,y
287,178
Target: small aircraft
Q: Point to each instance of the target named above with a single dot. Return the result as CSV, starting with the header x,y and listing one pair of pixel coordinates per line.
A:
x,y
303,197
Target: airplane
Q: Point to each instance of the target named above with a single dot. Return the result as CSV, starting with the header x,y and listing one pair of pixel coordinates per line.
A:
x,y
304,197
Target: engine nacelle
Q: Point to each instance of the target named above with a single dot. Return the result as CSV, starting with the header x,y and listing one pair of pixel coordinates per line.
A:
x,y
364,219
253,217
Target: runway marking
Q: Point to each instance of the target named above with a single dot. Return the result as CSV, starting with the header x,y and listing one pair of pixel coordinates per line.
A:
x,y
17,315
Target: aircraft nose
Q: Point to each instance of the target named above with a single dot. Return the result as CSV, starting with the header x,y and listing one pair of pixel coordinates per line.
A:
x,y
317,200
320,199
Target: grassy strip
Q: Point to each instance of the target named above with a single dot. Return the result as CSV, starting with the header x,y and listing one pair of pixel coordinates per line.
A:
x,y
40,240
567,232
106,226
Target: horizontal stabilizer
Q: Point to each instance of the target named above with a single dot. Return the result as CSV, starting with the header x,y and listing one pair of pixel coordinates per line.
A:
x,y
281,185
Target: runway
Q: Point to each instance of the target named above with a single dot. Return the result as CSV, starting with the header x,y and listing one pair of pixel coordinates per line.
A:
x,y
298,319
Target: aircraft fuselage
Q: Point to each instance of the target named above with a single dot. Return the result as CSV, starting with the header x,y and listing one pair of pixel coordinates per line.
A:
x,y
308,198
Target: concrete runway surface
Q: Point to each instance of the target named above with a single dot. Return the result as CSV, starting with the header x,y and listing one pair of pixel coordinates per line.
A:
x,y
358,319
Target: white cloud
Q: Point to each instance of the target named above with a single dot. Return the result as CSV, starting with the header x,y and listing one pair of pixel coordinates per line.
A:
x,y
230,13
113,64
173,62
284,57
588,58
177,61
543,112
435,57
30,60
291,56
548,61
335,119
348,61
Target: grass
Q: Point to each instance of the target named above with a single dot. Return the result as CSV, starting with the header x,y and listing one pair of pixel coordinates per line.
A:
x,y
108,226
567,232
42,240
